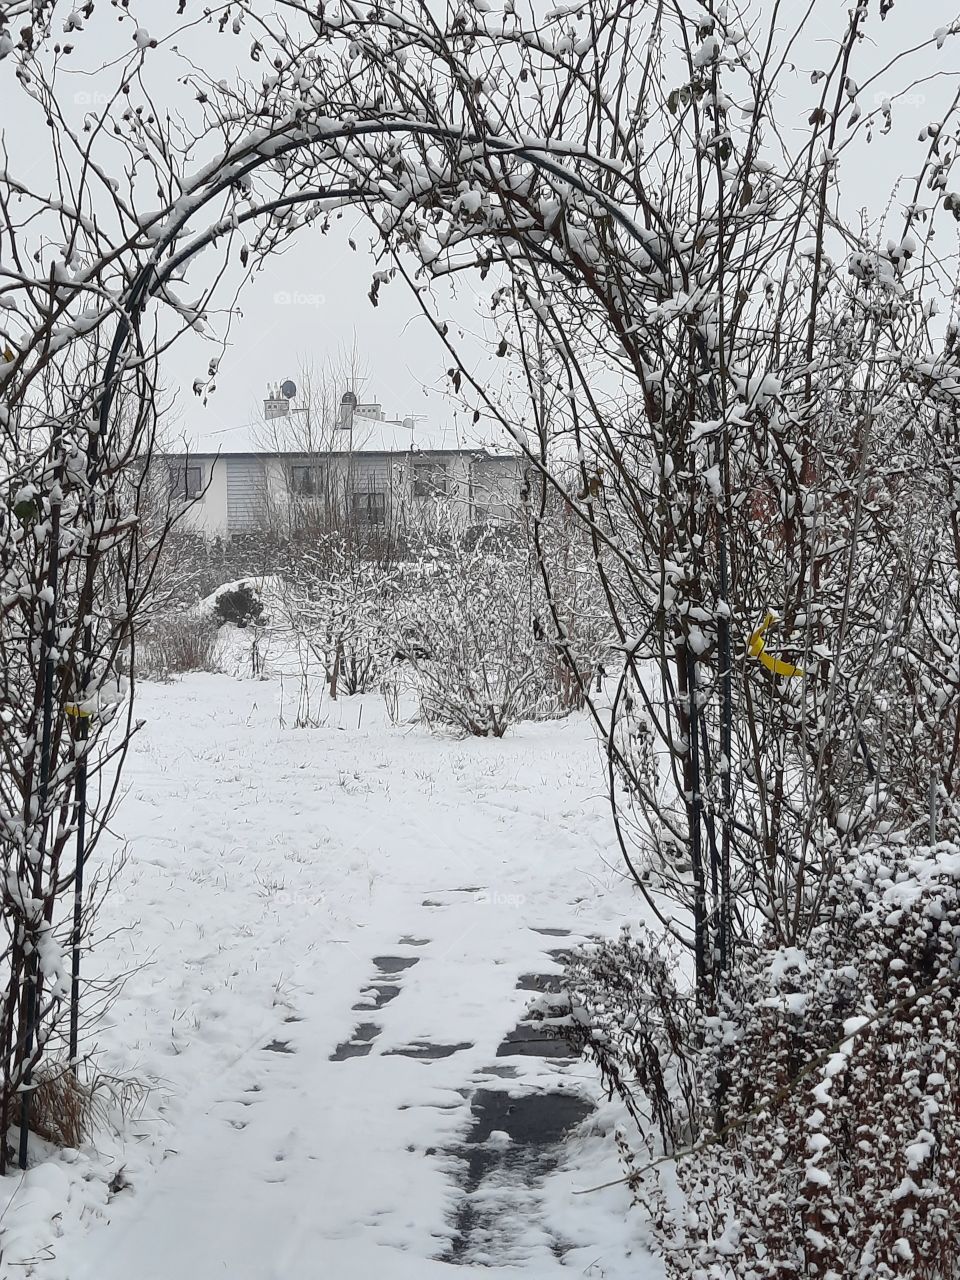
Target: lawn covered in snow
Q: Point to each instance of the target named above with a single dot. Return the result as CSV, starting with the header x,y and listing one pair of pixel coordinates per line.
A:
x,y
308,918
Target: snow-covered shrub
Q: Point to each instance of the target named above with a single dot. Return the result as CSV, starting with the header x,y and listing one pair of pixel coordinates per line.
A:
x,y
811,1107
241,607
638,1024
464,628
175,643
188,567
462,620
335,601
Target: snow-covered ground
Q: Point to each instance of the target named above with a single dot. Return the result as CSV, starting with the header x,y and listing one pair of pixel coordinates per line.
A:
x,y
268,871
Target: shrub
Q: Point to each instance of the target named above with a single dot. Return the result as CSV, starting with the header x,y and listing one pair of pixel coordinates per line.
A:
x,y
464,630
333,601
177,643
241,606
811,1106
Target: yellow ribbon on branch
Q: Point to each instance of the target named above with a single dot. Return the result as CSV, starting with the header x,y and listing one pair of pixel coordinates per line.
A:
x,y
757,648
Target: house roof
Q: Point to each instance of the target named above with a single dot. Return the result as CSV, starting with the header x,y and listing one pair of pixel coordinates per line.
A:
x,y
369,436
379,447
294,455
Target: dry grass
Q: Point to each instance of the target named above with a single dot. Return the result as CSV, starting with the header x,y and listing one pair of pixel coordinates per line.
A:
x,y
66,1110
61,1107
177,643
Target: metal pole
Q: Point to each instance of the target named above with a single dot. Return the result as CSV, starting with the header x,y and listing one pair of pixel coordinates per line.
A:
x,y
726,748
695,807
932,806
724,907
32,978
78,889
83,728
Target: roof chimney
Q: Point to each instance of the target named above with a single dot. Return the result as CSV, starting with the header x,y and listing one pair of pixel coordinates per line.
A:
x,y
275,405
348,403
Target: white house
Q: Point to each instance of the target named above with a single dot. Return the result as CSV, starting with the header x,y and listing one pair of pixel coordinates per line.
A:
x,y
383,473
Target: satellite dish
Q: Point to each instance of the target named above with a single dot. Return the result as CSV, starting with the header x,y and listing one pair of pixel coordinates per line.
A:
x,y
288,389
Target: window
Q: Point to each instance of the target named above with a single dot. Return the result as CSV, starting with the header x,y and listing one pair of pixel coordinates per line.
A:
x,y
304,482
370,508
429,479
186,482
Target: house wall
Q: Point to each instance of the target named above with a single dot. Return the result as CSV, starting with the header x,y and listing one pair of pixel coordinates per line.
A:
x,y
495,488
207,515
452,500
245,492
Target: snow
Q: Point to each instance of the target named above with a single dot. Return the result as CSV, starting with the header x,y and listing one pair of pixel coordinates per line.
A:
x,y
369,436
266,869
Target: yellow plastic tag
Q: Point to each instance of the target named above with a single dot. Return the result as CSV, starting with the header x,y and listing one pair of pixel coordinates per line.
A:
x,y
757,649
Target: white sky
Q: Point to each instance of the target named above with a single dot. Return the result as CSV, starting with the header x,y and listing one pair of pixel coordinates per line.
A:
x,y
311,301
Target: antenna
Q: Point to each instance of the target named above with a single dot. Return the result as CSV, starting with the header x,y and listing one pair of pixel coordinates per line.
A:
x,y
408,421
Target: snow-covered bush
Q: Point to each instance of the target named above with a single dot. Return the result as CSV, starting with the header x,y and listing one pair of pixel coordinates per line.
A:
x,y
635,1019
335,601
811,1109
241,607
461,620
182,574
464,627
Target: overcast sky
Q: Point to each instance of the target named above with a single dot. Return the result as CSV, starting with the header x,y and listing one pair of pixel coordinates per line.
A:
x,y
311,301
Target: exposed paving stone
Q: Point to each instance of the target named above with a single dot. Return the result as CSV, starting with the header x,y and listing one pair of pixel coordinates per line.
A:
x,y
395,964
533,1120
533,1041
423,1049
359,1044
279,1046
536,1125
551,983
551,933
379,993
